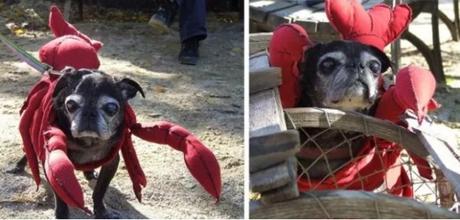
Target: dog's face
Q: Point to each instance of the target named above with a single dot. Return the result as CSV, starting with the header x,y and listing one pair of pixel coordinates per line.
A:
x,y
342,75
89,104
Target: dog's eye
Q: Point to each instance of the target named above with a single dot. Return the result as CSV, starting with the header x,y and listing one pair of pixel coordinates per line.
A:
x,y
374,66
71,106
328,64
110,108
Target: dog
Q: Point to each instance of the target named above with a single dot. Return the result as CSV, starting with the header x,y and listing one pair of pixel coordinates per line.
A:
x,y
342,75
89,109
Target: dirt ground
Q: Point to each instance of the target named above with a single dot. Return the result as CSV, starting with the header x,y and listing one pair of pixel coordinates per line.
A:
x,y
207,99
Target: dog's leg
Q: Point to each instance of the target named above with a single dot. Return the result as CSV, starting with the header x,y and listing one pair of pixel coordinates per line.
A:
x,y
20,166
105,176
61,209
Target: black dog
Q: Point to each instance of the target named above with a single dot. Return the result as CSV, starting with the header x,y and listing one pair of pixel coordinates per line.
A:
x,y
89,108
341,75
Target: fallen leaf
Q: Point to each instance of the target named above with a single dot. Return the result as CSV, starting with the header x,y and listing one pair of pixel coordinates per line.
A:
x,y
19,31
159,89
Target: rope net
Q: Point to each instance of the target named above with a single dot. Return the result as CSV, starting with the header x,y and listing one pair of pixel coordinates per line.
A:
x,y
337,159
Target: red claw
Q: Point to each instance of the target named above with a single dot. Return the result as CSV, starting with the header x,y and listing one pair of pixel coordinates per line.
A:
x,y
378,27
60,170
286,54
203,166
414,89
132,165
200,161
61,176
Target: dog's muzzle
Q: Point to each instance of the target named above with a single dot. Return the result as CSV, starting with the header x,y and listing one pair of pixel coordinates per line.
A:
x,y
351,93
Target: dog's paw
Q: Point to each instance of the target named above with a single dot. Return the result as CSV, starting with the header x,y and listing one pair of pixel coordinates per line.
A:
x,y
15,170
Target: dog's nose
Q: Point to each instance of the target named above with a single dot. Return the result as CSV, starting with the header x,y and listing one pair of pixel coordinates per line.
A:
x,y
88,121
88,126
89,114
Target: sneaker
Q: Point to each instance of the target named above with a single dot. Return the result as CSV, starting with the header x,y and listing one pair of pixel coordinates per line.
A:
x,y
164,17
189,52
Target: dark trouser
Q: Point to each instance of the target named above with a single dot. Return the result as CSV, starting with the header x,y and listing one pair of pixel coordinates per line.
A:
x,y
192,21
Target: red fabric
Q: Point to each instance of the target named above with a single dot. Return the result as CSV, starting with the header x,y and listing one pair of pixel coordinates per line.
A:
x,y
286,48
59,169
200,160
414,89
60,27
70,48
374,164
69,51
378,27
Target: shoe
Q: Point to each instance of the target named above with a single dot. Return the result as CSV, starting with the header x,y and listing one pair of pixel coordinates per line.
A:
x,y
164,17
189,52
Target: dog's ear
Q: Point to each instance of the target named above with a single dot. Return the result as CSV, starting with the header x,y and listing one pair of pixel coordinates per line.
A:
x,y
129,88
69,78
65,80
312,52
310,58
386,62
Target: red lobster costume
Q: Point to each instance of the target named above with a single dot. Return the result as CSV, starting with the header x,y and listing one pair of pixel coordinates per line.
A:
x,y
46,144
413,90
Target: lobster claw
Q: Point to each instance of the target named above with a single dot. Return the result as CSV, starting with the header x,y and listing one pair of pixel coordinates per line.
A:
x,y
59,170
200,161
378,27
203,165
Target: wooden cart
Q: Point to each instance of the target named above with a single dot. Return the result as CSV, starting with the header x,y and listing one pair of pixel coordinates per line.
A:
x,y
274,139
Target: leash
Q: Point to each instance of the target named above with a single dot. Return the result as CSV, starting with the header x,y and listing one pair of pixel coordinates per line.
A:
x,y
25,56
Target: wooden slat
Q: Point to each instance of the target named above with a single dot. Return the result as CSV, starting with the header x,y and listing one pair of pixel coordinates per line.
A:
x,y
309,25
261,75
299,2
327,28
259,42
349,205
289,191
444,189
264,78
315,22
274,177
271,149
352,121
259,61
287,15
259,10
265,113
267,119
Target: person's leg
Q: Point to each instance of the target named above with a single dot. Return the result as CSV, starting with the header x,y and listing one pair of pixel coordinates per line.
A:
x,y
192,29
164,16
192,19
